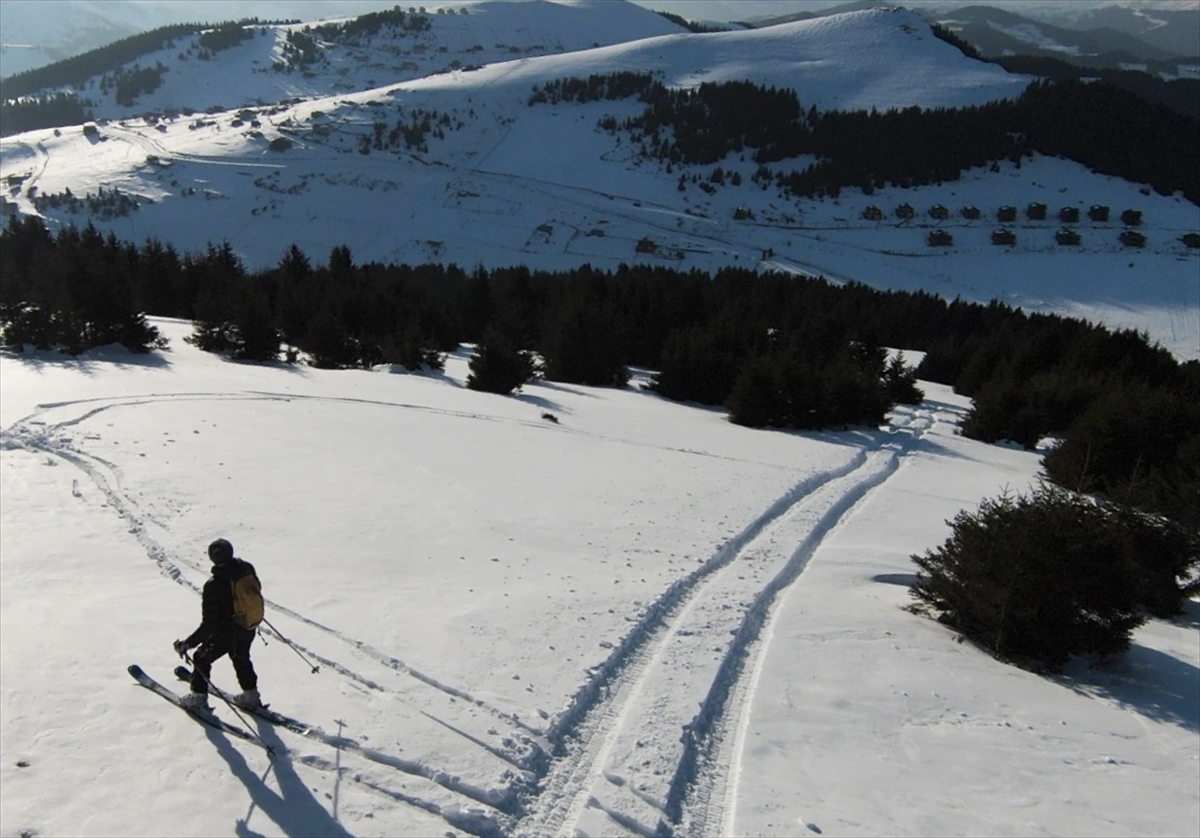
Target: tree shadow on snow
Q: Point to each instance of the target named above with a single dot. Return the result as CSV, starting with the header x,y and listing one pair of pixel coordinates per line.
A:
x,y
292,808
1190,618
539,402
91,362
1149,682
906,580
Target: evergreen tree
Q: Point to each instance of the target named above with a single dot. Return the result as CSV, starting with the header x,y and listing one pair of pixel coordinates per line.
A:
x,y
498,368
1033,579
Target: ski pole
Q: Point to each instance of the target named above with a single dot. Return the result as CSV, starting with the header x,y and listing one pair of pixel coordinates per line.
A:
x,y
212,690
279,634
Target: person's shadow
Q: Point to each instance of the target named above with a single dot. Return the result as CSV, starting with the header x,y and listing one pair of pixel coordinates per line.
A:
x,y
292,808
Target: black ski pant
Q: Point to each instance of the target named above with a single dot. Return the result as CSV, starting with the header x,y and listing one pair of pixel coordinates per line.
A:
x,y
236,644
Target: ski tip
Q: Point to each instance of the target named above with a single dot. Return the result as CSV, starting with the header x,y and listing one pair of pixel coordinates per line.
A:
x,y
134,670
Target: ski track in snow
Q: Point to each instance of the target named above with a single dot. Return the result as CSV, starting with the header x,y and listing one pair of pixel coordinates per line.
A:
x,y
635,695
650,684
36,435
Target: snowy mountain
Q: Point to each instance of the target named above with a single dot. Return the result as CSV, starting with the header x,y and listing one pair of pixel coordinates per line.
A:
x,y
1174,28
458,166
519,622
996,32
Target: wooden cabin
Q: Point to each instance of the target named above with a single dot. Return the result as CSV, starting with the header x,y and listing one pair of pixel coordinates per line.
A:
x,y
1131,218
1003,235
972,213
1132,238
1069,215
939,238
939,212
1067,236
873,213
1036,212
1098,212
905,211
1006,214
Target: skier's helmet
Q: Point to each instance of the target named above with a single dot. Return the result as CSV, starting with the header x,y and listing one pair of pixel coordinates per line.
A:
x,y
220,551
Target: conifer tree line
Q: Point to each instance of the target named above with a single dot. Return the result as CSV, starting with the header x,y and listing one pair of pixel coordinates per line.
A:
x,y
1094,124
775,350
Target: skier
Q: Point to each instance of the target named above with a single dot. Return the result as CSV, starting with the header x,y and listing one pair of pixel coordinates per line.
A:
x,y
224,627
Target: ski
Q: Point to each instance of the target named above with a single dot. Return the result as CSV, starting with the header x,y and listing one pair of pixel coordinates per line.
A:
x,y
263,711
153,686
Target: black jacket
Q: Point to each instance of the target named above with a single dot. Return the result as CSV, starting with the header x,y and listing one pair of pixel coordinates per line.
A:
x,y
216,603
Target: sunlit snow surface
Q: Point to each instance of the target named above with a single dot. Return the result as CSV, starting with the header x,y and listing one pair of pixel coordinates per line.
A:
x,y
691,617
544,186
480,585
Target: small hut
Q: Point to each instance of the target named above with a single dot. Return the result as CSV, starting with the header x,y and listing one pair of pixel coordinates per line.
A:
x,y
1131,218
1069,215
939,212
1006,214
1036,212
1098,212
1003,235
905,211
873,213
1132,238
972,213
1067,236
1190,239
939,238
646,245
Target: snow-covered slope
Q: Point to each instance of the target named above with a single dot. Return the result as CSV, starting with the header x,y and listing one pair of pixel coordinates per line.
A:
x,y
496,181
483,588
471,33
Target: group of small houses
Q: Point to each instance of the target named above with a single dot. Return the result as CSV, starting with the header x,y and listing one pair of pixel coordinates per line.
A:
x,y
1034,212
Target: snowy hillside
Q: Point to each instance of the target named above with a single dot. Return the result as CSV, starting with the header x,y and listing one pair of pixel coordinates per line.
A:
x,y
470,33
516,620
491,180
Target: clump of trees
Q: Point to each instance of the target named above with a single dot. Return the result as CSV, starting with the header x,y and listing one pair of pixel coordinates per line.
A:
x,y
497,367
49,111
358,30
1037,578
69,292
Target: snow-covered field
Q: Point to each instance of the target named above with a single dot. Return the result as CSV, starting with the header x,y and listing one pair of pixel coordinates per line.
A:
x,y
484,588
627,614
543,186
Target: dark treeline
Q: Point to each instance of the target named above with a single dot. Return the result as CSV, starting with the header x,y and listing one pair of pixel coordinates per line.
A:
x,y
77,70
1180,95
776,350
1112,131
17,115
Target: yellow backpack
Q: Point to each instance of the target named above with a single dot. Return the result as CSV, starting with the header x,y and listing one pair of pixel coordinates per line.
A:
x,y
248,603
